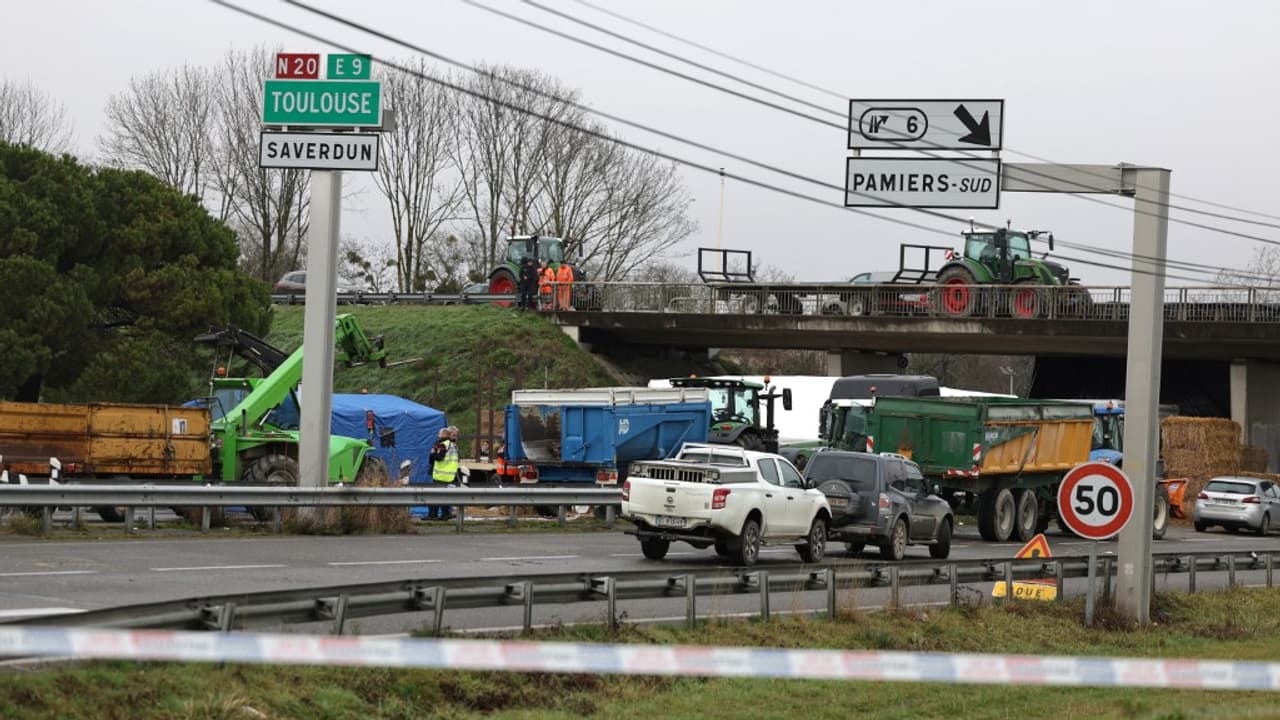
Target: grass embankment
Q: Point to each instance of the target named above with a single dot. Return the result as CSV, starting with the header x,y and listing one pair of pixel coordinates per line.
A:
x,y
1238,625
469,355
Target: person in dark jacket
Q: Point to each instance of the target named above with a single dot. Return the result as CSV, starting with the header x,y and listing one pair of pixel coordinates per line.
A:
x,y
528,283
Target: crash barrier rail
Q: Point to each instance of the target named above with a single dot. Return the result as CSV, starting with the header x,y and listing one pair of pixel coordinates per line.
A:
x,y
1072,302
339,604
624,659
44,498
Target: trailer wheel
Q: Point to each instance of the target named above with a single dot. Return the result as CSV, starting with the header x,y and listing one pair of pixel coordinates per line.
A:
x,y
655,548
1027,516
996,512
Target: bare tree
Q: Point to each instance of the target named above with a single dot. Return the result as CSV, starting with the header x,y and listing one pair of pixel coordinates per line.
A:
x,y
415,169
366,264
164,124
501,151
268,208
29,116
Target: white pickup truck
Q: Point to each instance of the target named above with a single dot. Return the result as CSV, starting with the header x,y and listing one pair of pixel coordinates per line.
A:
x,y
724,496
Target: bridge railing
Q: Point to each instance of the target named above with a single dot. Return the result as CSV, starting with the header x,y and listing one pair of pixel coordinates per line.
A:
x,y
1020,301
1213,304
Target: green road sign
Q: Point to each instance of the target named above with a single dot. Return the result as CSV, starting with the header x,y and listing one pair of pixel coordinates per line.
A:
x,y
325,103
348,67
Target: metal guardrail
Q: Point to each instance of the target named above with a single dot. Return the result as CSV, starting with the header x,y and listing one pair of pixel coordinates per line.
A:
x,y
47,497
1216,304
338,604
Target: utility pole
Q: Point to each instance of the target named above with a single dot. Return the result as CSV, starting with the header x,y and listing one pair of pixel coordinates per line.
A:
x,y
720,224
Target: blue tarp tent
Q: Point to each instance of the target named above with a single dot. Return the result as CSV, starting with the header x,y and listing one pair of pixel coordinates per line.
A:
x,y
416,428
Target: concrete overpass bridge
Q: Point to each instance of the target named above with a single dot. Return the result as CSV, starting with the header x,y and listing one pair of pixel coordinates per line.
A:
x,y
1221,344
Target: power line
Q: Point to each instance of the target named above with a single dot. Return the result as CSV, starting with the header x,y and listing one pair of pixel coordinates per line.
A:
x,y
585,131
841,126
833,93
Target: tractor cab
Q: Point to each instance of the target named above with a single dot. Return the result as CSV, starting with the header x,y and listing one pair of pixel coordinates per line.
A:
x,y
549,249
1002,253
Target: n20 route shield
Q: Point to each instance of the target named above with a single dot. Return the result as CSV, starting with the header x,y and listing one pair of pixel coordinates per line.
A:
x,y
922,182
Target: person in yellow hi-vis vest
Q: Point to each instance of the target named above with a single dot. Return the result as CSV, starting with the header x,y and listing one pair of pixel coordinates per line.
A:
x,y
564,277
444,468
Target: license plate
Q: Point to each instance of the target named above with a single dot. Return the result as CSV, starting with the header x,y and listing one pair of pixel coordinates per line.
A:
x,y
668,521
838,502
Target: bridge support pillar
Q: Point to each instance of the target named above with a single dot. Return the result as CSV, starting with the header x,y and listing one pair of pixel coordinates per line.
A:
x,y
1254,386
572,332
853,362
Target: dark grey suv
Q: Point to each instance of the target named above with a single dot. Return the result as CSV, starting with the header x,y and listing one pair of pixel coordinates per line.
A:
x,y
881,500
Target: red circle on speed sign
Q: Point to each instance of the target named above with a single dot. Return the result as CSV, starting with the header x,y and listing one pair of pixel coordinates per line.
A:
x,y
1095,500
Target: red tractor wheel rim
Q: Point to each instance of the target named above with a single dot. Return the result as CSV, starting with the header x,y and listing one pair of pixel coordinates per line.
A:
x,y
502,285
1025,303
955,296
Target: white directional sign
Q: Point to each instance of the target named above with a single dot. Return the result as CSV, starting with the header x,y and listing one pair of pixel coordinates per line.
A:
x,y
318,151
1095,500
926,124
922,182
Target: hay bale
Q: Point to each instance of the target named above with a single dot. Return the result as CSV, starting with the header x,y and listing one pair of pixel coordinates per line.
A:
x,y
1253,459
1199,449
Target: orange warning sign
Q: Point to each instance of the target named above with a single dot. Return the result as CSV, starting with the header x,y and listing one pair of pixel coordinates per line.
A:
x,y
1036,547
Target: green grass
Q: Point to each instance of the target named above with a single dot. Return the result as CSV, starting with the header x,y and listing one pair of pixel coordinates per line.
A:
x,y
470,356
1238,625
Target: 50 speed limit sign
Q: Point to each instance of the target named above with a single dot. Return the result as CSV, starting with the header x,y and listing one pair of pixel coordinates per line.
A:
x,y
1095,500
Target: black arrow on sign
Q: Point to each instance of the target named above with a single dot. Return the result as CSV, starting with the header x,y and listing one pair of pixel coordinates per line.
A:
x,y
979,132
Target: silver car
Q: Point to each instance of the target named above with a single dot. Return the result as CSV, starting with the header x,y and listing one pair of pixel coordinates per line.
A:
x,y
1238,502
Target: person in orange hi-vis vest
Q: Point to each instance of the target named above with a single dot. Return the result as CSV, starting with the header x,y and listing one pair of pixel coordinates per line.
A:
x,y
546,277
564,276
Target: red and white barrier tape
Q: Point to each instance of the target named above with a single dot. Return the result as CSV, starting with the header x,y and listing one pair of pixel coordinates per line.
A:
x,y
636,659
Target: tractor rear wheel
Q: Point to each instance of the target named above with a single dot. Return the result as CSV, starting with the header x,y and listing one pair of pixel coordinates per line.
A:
x,y
956,294
502,282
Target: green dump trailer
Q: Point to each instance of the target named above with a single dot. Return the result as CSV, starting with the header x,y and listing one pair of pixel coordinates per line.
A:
x,y
1003,457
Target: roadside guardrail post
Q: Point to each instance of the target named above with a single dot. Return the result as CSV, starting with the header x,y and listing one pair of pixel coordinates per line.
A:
x,y
433,599
1191,576
511,518
204,518
829,576
953,582
460,517
763,577
608,587
46,519
1058,574
610,514
151,518
691,600
1008,581
526,590
227,617
339,614
560,515
129,510
1106,580
77,520
1231,571
895,588
1269,563
275,520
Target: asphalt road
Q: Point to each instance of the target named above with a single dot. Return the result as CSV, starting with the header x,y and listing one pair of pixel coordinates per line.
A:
x,y
45,577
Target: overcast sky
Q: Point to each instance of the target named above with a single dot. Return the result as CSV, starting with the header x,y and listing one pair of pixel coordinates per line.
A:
x,y
1187,86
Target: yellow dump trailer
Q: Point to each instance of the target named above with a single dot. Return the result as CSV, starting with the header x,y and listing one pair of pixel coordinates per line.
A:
x,y
105,440
1005,457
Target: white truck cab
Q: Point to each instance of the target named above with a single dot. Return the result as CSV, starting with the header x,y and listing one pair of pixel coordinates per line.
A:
x,y
728,497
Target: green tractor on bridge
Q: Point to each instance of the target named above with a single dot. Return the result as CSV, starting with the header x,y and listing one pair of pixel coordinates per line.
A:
x,y
1000,257
505,278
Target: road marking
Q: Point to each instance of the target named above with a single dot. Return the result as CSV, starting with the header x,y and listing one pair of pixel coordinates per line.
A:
x,y
529,557
670,554
217,567
386,562
49,572
39,612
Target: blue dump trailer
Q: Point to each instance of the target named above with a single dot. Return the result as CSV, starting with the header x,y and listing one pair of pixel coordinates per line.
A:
x,y
590,436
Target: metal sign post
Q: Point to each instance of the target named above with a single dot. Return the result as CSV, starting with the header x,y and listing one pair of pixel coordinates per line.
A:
x,y
1093,584
317,328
